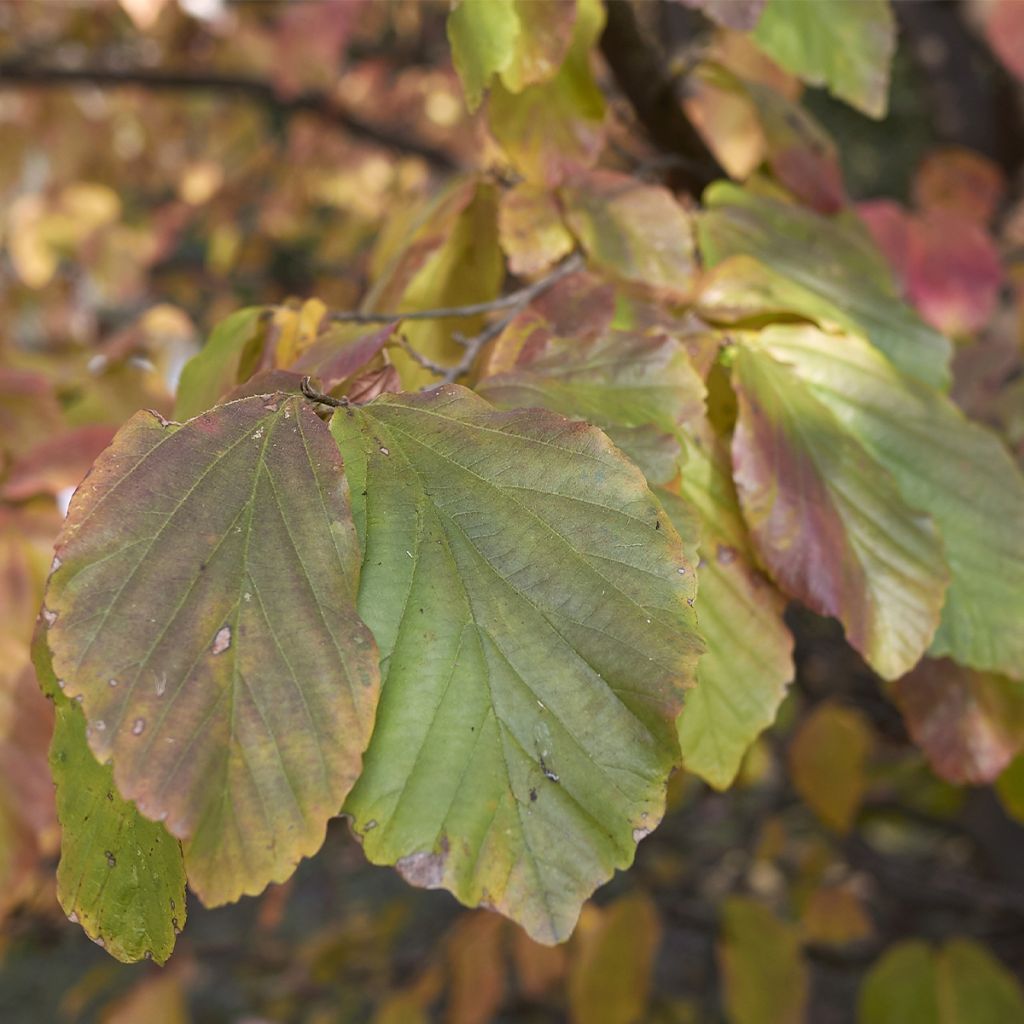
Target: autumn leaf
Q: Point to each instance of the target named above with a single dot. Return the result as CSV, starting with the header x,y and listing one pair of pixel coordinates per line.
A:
x,y
847,47
833,273
191,557
828,521
925,442
531,603
120,876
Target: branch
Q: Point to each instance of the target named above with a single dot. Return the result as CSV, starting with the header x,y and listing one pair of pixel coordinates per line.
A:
x,y
512,304
16,74
641,72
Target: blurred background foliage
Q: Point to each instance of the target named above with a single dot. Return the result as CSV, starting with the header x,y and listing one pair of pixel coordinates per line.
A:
x,y
164,163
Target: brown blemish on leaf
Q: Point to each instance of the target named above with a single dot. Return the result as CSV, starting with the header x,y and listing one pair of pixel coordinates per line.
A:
x,y
425,870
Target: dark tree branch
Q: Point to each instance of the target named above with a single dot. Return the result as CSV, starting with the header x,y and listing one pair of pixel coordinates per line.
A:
x,y
642,74
20,75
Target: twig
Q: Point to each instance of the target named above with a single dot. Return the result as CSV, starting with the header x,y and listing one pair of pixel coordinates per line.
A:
x,y
513,304
18,74
318,396
514,300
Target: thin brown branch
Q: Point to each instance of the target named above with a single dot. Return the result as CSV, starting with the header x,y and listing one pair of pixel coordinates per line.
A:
x,y
512,304
20,75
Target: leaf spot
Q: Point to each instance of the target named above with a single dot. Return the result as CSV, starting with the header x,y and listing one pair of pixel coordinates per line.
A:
x,y
111,682
138,726
425,870
385,451
111,859
222,641
73,917
725,555
48,617
640,833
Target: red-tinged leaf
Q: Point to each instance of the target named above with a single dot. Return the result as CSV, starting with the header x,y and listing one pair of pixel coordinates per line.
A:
x,y
634,232
1004,30
889,224
827,760
55,463
267,382
370,385
28,409
960,181
556,127
954,273
969,724
309,41
341,352
545,34
764,977
530,229
191,557
578,306
613,962
829,522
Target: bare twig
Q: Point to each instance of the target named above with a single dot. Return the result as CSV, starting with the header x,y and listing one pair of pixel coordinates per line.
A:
x,y
512,304
514,300
318,396
19,74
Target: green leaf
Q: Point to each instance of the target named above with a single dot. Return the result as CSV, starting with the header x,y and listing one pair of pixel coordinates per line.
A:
x,y
958,471
523,41
224,360
833,272
632,231
962,983
828,521
764,978
120,876
553,128
203,608
743,675
846,46
532,607
901,988
638,388
482,34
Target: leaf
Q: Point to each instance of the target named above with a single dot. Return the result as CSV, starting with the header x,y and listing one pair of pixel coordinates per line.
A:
x,y
828,521
847,47
835,916
556,127
192,557
764,978
530,227
949,264
342,351
634,232
1009,788
228,357
638,388
611,973
120,876
969,724
901,988
962,983
522,41
155,999
743,675
1004,31
827,759
957,470
58,461
741,15
838,276
482,34
960,181
536,637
